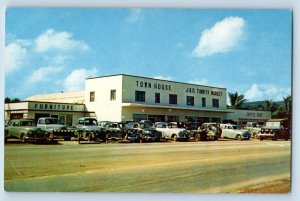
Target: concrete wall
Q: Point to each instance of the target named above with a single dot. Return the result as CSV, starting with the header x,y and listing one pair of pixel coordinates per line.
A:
x,y
104,108
250,115
151,86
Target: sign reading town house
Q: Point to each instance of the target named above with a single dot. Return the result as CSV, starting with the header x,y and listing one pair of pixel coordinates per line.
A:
x,y
153,85
167,87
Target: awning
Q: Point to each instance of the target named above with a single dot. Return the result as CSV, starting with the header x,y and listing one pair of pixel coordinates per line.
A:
x,y
174,107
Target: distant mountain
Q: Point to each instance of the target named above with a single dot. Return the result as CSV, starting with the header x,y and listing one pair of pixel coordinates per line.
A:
x,y
257,103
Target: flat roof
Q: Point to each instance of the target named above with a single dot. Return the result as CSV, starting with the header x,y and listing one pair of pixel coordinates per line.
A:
x,y
88,78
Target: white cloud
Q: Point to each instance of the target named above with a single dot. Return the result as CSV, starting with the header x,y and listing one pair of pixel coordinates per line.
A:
x,y
76,80
51,40
266,91
222,37
44,74
14,55
135,15
163,77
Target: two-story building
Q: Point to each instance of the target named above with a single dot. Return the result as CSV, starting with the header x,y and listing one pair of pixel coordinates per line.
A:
x,y
133,98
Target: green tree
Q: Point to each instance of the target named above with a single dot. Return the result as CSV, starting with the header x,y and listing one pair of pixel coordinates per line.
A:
x,y
288,105
9,100
237,101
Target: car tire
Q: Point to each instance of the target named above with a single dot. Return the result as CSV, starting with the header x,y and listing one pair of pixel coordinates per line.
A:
x,y
261,138
175,138
197,137
239,137
274,138
23,138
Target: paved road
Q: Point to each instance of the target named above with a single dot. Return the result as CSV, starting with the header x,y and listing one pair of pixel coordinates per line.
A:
x,y
191,167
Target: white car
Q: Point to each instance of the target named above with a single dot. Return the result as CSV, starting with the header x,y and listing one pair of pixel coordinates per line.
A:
x,y
171,131
234,132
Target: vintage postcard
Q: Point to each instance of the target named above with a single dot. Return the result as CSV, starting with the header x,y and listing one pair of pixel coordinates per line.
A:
x,y
148,100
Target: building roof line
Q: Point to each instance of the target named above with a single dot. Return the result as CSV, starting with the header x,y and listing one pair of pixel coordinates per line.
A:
x,y
89,78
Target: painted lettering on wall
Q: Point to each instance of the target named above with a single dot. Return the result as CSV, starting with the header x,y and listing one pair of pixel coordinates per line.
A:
x,y
49,106
154,85
203,91
254,114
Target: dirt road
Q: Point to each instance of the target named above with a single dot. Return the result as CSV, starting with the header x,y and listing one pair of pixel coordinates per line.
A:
x,y
183,167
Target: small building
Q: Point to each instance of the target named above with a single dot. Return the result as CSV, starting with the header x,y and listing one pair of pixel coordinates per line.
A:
x,y
67,107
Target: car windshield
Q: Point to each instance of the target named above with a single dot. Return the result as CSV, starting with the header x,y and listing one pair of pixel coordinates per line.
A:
x,y
273,124
51,121
27,123
90,122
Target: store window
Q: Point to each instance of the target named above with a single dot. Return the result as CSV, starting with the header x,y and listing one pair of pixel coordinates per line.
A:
x,y
139,117
190,100
113,94
92,96
172,99
157,97
140,96
203,102
215,102
217,120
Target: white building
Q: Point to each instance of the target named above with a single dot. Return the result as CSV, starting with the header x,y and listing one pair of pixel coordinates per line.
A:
x,y
125,97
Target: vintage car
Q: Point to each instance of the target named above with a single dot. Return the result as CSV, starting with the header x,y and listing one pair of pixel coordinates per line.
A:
x,y
114,131
25,130
54,129
208,131
88,129
137,131
254,128
234,132
275,129
171,131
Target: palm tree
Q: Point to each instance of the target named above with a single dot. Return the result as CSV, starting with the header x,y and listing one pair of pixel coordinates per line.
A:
x,y
288,104
236,100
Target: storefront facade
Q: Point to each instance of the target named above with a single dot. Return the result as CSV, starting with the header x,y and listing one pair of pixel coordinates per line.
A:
x,y
134,98
125,97
66,113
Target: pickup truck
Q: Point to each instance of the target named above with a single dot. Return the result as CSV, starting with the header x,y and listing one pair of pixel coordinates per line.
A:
x,y
88,129
54,129
275,129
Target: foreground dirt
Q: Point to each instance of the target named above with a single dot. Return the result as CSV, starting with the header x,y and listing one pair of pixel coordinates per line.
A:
x,y
179,167
278,186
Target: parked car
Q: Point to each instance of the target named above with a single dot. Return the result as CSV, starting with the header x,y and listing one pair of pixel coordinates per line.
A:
x,y
104,123
208,131
171,131
141,130
25,130
54,129
88,129
254,128
234,132
275,129
114,130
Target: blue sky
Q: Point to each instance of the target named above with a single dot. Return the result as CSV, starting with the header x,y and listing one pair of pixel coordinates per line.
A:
x,y
53,50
